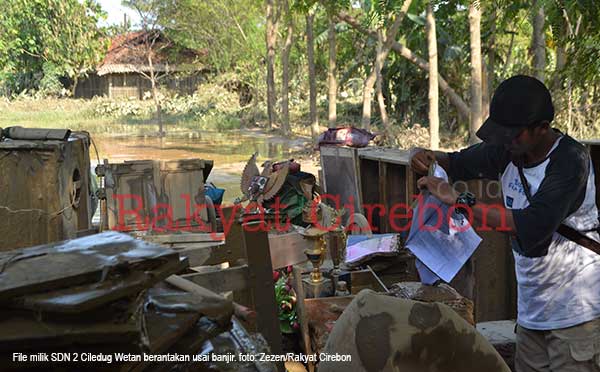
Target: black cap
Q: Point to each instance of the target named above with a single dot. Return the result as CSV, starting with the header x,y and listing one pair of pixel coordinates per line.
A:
x,y
519,102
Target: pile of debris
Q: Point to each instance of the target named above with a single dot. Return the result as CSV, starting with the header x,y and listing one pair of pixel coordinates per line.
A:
x,y
104,298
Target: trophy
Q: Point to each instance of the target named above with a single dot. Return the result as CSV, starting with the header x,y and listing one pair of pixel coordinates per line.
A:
x,y
315,254
336,241
316,285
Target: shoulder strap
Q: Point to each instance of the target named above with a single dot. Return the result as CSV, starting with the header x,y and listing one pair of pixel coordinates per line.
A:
x,y
564,230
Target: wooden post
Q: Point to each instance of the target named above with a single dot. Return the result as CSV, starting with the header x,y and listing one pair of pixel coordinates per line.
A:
x,y
256,244
301,311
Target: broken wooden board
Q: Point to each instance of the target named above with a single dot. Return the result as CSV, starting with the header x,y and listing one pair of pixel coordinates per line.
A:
x,y
90,296
199,248
221,280
288,249
75,262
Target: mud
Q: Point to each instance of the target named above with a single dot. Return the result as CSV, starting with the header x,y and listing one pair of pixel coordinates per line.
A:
x,y
373,340
424,316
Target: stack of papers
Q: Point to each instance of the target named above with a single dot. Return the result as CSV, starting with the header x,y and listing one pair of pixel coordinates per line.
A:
x,y
442,243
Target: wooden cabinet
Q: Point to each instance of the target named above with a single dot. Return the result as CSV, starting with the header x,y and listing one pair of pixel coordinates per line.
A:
x,y
379,180
45,193
153,195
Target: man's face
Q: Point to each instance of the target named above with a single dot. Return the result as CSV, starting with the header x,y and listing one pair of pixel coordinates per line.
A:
x,y
526,140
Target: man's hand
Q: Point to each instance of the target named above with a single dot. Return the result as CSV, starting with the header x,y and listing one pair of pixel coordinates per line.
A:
x,y
438,188
421,159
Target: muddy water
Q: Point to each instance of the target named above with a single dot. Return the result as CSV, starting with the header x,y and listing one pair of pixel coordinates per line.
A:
x,y
229,151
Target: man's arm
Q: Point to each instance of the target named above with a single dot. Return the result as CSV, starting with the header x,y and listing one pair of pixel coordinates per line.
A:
x,y
560,194
474,162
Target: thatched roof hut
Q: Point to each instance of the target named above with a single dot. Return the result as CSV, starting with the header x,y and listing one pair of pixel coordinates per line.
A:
x,y
123,72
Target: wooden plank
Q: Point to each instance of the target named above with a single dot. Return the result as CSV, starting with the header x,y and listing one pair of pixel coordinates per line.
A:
x,y
185,238
397,193
216,306
222,280
256,244
388,155
358,183
411,185
488,278
302,315
364,279
287,249
370,190
383,197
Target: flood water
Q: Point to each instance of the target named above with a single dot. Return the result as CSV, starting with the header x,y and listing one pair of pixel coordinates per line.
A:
x,y
229,152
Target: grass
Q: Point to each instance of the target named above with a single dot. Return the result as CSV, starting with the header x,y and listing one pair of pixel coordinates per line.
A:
x,y
78,115
82,115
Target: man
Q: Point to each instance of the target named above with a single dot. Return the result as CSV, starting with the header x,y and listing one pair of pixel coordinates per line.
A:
x,y
548,194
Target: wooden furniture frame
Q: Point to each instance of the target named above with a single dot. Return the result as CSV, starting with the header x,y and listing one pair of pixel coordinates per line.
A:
x,y
249,272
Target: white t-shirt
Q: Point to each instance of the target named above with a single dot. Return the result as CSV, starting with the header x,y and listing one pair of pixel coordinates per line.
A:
x,y
558,280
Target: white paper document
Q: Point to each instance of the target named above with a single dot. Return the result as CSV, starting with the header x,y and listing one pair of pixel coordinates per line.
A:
x,y
441,242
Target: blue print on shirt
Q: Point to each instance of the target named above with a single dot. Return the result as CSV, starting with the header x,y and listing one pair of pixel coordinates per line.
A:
x,y
517,186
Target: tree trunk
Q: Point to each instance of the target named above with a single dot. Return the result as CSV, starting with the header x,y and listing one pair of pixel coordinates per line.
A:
x,y
312,80
538,41
271,37
489,67
380,99
485,90
508,54
475,36
372,78
461,107
434,120
74,87
332,76
569,106
153,78
285,61
561,61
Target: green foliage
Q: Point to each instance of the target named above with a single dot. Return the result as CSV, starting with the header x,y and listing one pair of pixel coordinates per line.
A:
x,y
120,108
47,37
230,34
286,303
50,84
210,106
